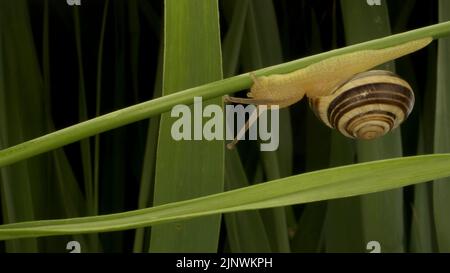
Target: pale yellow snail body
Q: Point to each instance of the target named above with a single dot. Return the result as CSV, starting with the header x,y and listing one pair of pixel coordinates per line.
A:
x,y
321,82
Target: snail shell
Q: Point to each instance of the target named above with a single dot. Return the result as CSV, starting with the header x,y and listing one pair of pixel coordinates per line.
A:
x,y
366,106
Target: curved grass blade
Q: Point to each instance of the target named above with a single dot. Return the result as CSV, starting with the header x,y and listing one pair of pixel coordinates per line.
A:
x,y
309,187
207,91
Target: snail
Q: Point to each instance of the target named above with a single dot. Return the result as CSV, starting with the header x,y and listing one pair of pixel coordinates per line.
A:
x,y
360,104
366,106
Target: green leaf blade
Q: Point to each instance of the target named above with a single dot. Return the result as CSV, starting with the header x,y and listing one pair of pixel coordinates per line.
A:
x,y
326,184
189,168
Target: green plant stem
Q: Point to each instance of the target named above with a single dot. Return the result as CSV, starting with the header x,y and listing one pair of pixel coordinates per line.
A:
x,y
309,187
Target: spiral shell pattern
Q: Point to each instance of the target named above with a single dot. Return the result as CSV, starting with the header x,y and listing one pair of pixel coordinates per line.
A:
x,y
366,106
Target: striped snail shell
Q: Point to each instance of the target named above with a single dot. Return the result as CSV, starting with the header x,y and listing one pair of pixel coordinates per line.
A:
x,y
366,106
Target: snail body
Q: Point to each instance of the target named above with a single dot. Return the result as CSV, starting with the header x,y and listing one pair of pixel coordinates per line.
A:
x,y
320,78
326,83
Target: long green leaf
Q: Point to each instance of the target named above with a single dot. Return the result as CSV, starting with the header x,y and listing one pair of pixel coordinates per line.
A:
x,y
441,189
148,167
309,187
245,230
382,213
22,116
343,223
187,169
207,91
231,45
262,47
